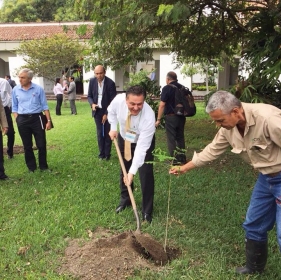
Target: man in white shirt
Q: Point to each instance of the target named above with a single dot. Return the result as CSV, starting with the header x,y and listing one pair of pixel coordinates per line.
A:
x,y
140,133
6,97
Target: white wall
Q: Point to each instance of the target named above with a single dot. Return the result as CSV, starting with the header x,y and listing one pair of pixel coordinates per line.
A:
x,y
166,65
15,63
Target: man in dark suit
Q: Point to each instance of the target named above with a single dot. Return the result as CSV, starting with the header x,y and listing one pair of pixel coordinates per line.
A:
x,y
101,92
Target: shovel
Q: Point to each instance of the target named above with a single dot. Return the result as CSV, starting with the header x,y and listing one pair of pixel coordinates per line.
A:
x,y
143,244
128,186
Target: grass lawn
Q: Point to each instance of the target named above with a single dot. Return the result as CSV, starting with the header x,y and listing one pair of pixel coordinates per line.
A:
x,y
40,211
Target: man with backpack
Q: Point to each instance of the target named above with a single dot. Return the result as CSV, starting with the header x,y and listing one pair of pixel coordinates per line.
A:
x,y
174,123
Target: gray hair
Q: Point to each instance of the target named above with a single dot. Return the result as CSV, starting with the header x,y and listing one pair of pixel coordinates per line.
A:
x,y
28,71
223,100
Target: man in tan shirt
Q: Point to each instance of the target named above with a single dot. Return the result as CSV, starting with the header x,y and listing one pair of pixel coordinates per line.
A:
x,y
254,132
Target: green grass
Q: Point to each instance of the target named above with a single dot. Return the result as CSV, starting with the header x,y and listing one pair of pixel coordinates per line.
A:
x,y
43,210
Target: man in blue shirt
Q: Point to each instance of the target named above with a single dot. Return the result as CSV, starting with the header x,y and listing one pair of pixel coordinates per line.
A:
x,y
28,102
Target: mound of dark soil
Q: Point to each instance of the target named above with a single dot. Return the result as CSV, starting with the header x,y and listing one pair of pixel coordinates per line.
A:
x,y
110,256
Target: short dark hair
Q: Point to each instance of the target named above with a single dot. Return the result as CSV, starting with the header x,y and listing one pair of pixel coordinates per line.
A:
x,y
8,76
136,90
172,76
72,78
57,81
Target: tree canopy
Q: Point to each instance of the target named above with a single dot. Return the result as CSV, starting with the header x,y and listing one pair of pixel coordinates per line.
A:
x,y
205,29
126,31
50,56
39,11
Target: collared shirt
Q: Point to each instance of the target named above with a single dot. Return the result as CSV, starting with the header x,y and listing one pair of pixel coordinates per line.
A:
x,y
143,124
58,89
100,91
5,92
261,144
29,101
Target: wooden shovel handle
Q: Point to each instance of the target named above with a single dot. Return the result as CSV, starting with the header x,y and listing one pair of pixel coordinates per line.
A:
x,y
125,174
128,186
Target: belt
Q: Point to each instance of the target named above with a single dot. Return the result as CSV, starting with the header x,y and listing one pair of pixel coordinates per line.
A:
x,y
170,114
272,175
29,115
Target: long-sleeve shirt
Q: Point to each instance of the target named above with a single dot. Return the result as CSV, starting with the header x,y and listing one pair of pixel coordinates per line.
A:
x,y
3,119
29,101
143,124
5,92
58,89
261,144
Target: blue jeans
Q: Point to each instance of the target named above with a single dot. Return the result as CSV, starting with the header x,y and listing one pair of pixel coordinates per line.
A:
x,y
264,209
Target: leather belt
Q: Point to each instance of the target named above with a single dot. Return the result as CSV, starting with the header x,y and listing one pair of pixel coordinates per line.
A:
x,y
272,175
29,115
170,114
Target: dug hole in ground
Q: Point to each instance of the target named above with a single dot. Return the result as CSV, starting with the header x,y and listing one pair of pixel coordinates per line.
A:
x,y
114,256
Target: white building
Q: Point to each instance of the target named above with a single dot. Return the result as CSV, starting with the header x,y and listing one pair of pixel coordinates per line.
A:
x,y
12,34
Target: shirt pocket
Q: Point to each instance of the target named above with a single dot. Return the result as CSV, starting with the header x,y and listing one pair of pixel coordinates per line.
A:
x,y
35,98
260,152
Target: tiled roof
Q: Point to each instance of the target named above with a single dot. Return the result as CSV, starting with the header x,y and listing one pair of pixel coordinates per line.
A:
x,y
31,31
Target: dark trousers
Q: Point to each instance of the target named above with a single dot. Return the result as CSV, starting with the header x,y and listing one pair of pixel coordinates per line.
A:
x,y
72,107
146,178
2,169
174,126
28,126
59,102
10,133
104,140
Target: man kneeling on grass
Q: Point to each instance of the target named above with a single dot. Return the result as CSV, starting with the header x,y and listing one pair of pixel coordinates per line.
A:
x,y
254,131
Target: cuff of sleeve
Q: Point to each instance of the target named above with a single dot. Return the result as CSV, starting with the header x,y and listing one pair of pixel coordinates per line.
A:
x,y
196,161
133,169
113,126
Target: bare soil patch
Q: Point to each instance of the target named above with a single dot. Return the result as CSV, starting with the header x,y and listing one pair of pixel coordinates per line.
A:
x,y
17,149
109,256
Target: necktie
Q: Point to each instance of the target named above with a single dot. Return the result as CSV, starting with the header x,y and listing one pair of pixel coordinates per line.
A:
x,y
127,151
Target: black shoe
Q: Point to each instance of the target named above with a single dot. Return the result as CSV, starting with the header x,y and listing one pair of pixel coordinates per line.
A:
x,y
101,158
4,177
147,218
10,157
107,158
31,170
120,208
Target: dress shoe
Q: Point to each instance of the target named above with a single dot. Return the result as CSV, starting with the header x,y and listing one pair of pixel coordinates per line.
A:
x,y
107,158
4,177
10,157
120,208
147,218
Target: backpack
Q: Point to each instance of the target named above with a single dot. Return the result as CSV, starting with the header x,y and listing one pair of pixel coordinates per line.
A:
x,y
184,102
